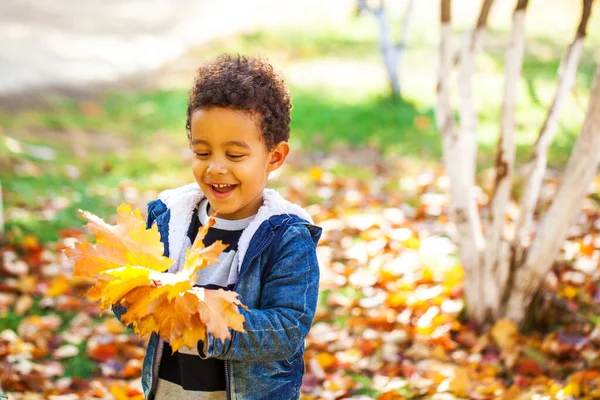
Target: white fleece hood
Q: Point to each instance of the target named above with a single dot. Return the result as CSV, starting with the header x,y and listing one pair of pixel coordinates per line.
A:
x,y
182,202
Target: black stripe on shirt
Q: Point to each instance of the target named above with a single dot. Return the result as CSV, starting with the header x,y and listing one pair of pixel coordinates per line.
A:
x,y
191,372
230,238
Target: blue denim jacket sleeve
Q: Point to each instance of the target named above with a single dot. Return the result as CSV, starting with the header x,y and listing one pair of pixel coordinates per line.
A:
x,y
277,330
118,309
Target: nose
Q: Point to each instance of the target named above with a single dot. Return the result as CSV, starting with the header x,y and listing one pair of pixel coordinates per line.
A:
x,y
216,168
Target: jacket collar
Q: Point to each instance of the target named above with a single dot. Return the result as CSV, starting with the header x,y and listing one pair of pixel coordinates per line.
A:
x,y
183,200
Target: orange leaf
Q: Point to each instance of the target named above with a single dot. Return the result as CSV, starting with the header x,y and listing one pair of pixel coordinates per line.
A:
x,y
127,264
122,392
133,369
127,243
58,286
102,352
315,173
325,360
218,310
111,288
198,256
460,382
505,333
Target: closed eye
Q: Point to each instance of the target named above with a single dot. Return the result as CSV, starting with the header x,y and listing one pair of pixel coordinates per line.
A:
x,y
235,156
201,154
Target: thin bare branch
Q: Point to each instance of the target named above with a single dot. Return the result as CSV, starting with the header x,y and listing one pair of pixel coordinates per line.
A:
x,y
521,5
390,54
364,6
486,6
468,112
586,12
550,236
398,49
484,12
406,19
446,11
538,162
444,117
464,208
506,148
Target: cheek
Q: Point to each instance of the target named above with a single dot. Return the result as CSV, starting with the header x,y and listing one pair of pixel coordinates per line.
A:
x,y
197,168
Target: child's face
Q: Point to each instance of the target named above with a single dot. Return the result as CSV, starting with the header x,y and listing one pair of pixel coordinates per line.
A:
x,y
231,160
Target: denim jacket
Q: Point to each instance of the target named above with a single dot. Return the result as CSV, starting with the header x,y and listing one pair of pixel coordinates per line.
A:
x,y
278,280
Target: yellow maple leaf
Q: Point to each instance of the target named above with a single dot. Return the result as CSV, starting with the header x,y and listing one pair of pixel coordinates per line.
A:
x,y
111,287
128,266
173,317
505,333
127,243
218,310
199,256
460,382
190,336
91,260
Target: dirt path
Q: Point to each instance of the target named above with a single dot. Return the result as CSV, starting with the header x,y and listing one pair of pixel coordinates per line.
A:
x,y
72,43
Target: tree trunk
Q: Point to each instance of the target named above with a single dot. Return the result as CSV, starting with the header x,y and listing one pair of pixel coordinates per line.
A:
x,y
392,52
501,280
388,49
550,236
467,139
401,46
467,111
495,266
462,201
539,159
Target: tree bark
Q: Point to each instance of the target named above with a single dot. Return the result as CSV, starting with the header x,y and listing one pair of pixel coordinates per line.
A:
x,y
392,52
403,39
546,246
467,110
493,268
462,201
467,139
539,159
388,49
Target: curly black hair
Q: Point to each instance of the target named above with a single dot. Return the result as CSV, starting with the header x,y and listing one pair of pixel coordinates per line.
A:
x,y
244,83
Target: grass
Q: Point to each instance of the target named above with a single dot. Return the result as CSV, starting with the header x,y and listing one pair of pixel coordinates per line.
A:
x,y
339,92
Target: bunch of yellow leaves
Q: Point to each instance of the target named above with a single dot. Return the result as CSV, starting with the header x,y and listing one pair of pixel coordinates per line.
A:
x,y
128,265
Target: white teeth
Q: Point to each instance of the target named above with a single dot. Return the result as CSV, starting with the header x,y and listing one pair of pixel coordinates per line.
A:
x,y
221,186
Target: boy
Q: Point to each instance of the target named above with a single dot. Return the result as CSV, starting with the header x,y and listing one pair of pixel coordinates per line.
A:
x,y
238,125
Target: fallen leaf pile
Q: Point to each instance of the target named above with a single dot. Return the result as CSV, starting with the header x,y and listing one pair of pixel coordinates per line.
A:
x,y
52,342
388,324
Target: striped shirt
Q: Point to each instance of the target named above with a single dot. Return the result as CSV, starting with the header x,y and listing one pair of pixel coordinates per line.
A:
x,y
184,375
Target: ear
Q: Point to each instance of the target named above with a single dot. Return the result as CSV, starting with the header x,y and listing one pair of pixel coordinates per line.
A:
x,y
277,156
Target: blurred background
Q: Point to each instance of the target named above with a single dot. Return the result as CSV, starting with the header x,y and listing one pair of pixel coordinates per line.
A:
x,y
92,114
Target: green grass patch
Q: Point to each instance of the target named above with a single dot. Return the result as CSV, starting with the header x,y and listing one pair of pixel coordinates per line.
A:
x,y
11,321
81,366
320,120
140,134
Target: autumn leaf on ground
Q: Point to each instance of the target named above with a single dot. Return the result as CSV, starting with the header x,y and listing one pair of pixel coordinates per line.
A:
x,y
505,333
128,266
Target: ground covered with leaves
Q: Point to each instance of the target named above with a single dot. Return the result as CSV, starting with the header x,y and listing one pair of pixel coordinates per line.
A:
x,y
388,325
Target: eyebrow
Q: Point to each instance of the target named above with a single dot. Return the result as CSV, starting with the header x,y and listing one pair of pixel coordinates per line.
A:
x,y
238,143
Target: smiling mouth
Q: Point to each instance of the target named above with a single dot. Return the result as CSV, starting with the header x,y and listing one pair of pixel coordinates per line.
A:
x,y
222,188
